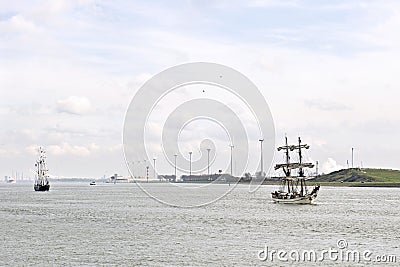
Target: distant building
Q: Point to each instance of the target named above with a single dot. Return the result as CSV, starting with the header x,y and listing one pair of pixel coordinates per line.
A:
x,y
119,179
209,178
170,178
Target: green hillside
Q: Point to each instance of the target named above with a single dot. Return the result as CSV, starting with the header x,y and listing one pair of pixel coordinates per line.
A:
x,y
361,175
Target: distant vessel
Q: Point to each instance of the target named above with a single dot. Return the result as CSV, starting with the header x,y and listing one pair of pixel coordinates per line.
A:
x,y
41,182
93,183
11,180
293,188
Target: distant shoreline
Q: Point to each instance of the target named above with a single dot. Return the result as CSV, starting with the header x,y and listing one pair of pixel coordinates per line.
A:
x,y
269,182
346,184
335,184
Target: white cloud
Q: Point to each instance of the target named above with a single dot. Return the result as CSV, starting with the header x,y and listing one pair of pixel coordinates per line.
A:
x,y
62,149
32,149
9,152
272,3
75,150
327,105
61,44
141,78
65,149
114,148
385,33
20,23
74,105
331,165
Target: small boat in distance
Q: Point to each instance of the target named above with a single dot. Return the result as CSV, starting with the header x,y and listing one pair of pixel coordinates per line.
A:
x,y
41,182
11,180
92,183
293,188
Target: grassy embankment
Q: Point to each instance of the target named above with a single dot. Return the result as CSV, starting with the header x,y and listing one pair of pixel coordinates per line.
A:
x,y
361,177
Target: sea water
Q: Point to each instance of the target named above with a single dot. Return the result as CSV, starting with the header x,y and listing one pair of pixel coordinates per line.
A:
x,y
118,224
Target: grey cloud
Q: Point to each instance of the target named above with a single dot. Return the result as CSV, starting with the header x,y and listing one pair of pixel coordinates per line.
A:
x,y
327,105
29,109
74,105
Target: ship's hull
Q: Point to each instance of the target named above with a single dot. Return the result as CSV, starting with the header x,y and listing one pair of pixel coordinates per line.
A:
x,y
297,200
41,187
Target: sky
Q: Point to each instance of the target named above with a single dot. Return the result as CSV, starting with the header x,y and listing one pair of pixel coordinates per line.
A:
x,y
69,70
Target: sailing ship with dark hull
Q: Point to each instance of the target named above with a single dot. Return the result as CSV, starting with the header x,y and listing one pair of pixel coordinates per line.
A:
x,y
293,187
41,182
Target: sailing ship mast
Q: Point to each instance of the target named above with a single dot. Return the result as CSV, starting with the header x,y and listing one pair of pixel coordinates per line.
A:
x,y
289,166
41,165
41,183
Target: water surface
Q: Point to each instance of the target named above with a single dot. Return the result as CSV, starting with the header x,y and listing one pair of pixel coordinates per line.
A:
x,y
77,224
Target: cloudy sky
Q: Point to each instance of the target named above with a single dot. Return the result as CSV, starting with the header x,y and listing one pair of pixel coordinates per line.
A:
x,y
69,69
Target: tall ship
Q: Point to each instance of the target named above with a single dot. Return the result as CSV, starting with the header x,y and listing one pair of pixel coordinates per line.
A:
x,y
293,188
41,182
